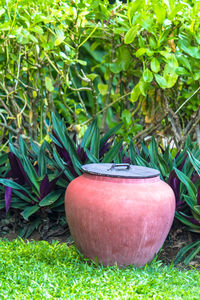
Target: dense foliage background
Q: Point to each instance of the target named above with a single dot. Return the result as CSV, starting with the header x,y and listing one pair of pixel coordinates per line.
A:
x,y
136,63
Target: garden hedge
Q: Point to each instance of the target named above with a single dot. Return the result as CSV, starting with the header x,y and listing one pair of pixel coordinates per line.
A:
x,y
137,63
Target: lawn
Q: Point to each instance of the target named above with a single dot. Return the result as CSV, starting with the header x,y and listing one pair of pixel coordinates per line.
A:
x,y
38,270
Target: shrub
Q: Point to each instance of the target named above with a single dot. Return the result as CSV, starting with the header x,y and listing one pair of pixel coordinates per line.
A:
x,y
136,63
38,176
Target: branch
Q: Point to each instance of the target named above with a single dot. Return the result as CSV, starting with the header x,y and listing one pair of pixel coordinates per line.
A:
x,y
84,77
187,100
9,128
151,128
109,85
105,108
191,122
193,127
174,119
176,127
78,92
6,108
18,69
80,89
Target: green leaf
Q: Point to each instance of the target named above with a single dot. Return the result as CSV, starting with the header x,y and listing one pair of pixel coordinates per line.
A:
x,y
23,146
152,43
161,81
37,29
109,133
176,8
14,150
92,76
31,173
147,75
170,72
184,61
60,130
140,52
62,166
183,218
126,115
88,134
34,225
136,6
42,168
14,185
196,209
168,158
103,88
145,150
124,58
2,11
141,161
35,147
160,12
181,71
3,158
55,140
132,152
153,150
29,211
16,203
48,84
60,36
33,38
195,162
192,254
115,68
197,75
155,65
188,183
110,155
190,50
82,62
135,93
184,250
21,196
131,34
95,143
91,157
149,52
51,198
163,166
191,202
142,86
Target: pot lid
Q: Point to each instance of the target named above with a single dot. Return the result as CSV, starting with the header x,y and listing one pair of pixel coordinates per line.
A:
x,y
120,170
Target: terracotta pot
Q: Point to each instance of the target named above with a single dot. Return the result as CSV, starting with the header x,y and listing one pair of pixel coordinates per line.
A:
x,y
119,216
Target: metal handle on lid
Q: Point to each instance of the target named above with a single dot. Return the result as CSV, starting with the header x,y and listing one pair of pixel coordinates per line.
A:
x,y
119,166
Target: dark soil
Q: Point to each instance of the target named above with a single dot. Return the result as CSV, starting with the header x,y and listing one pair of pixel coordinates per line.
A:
x,y
178,237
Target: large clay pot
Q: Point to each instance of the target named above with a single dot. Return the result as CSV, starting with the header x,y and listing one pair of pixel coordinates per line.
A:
x,y
119,215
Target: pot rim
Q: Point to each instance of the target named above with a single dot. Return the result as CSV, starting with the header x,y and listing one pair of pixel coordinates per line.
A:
x,y
120,170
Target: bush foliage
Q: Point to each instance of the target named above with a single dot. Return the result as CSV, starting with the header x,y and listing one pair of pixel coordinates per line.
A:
x,y
136,63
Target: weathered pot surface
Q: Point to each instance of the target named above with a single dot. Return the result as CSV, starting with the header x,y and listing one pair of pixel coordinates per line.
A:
x,y
119,214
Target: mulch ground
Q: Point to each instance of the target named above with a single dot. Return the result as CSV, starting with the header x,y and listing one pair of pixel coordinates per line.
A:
x,y
179,237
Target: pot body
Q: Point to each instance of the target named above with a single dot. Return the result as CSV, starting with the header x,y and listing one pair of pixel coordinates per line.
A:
x,y
117,220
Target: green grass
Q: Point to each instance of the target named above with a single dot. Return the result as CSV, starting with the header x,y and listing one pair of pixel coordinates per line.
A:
x,y
38,270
